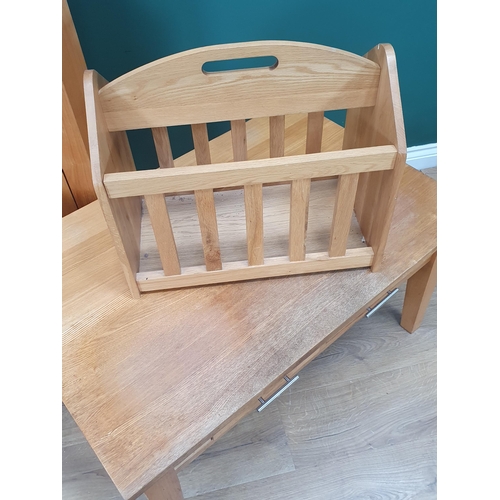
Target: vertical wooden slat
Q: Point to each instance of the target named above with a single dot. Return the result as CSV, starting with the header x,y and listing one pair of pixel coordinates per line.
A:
x,y
299,208
299,194
359,203
253,199
239,138
201,144
277,136
314,132
255,224
205,204
277,139
300,191
162,145
160,222
372,198
342,214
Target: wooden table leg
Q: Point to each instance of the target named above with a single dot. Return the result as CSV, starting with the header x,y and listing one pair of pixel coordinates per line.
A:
x,y
418,294
166,488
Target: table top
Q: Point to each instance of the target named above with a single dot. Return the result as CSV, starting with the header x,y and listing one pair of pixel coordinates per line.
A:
x,y
147,380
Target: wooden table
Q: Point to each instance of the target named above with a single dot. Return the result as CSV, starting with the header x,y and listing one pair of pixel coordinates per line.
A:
x,y
153,382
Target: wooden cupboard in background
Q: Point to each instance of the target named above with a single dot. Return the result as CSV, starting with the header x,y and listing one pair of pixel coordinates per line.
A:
x,y
77,188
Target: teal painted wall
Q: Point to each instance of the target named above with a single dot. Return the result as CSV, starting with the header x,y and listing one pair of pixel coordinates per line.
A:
x,y
119,35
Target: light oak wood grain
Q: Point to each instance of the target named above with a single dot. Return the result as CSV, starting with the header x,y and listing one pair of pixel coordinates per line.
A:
x,y
299,215
259,134
111,153
255,448
418,293
231,209
206,208
201,143
73,67
258,142
314,132
349,409
230,206
260,327
308,78
151,381
277,136
351,359
207,216
377,125
165,488
253,199
342,214
255,224
75,145
172,88
68,202
290,168
239,140
160,222
162,146
239,271
372,189
75,154
205,204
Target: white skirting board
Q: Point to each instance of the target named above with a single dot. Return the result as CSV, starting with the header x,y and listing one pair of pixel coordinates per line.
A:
x,y
421,157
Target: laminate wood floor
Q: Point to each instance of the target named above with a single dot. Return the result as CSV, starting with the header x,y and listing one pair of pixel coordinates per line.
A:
x,y
359,423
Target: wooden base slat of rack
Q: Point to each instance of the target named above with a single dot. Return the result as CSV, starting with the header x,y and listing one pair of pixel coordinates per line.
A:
x,y
239,271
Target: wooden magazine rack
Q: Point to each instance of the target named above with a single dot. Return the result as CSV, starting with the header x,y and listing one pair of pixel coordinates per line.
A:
x,y
156,251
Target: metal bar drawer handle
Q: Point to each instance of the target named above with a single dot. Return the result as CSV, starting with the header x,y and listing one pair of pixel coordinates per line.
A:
x,y
289,382
381,303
